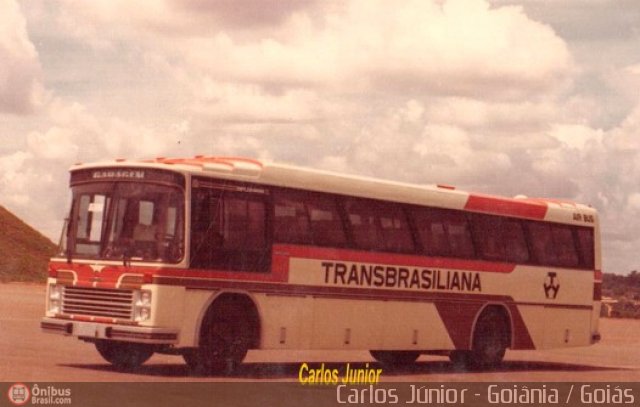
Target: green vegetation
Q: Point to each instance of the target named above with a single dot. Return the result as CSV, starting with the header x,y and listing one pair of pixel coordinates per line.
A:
x,y
24,252
626,291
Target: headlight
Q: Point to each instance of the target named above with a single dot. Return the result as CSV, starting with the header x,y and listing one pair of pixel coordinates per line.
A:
x,y
142,306
55,298
145,298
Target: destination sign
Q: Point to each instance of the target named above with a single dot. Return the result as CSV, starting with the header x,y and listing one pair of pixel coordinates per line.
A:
x,y
126,174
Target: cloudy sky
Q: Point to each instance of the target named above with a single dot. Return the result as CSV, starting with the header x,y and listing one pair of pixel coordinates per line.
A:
x,y
530,97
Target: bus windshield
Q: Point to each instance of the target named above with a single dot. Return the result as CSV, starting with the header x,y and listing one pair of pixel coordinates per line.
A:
x,y
126,221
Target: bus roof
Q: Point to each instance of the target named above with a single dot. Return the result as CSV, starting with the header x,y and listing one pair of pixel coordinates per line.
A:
x,y
444,196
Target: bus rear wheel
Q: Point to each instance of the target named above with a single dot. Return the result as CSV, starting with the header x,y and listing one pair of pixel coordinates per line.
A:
x,y
490,342
224,342
124,355
395,358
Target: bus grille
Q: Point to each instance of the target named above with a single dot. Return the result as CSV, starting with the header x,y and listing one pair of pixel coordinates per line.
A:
x,y
98,302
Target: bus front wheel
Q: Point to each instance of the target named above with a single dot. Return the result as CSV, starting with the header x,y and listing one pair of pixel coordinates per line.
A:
x,y
124,355
394,358
224,342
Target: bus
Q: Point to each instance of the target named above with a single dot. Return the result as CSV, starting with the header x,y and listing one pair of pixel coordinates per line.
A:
x,y
210,257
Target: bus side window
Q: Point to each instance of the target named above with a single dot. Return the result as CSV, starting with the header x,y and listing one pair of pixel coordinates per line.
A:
x,y
362,219
378,226
515,242
565,246
459,235
229,231
430,225
290,218
206,237
307,218
541,243
585,244
395,229
243,224
489,237
244,238
326,224
500,239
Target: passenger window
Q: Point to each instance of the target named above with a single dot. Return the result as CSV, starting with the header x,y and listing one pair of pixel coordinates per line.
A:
x,y
541,242
362,219
229,231
500,239
516,248
378,226
244,224
325,220
291,222
443,232
585,243
565,246
307,218
489,238
432,233
553,245
395,229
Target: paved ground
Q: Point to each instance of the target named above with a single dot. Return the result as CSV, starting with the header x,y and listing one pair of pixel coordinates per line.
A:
x,y
31,356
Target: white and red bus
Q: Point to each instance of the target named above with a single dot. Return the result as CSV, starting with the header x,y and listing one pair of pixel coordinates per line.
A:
x,y
209,257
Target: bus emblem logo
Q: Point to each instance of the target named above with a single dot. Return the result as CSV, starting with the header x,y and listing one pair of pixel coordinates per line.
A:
x,y
97,269
551,285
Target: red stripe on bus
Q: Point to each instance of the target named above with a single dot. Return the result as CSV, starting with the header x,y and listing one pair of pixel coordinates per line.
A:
x,y
392,259
109,276
279,273
521,338
507,207
458,318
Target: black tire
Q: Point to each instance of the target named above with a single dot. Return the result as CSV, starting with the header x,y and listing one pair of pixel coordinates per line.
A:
x,y
490,339
225,339
124,355
395,358
490,342
461,359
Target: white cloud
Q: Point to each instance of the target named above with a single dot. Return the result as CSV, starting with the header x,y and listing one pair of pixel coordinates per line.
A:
x,y
633,202
576,136
243,102
20,88
56,144
521,114
460,47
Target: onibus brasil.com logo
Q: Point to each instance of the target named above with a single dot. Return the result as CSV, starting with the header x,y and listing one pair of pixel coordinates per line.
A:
x,y
20,394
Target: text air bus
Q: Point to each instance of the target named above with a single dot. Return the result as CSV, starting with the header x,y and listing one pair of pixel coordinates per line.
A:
x,y
208,257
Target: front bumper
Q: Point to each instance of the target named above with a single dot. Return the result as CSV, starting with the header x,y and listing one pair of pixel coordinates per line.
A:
x,y
95,330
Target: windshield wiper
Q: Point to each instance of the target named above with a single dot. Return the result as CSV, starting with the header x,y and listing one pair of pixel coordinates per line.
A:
x,y
126,256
